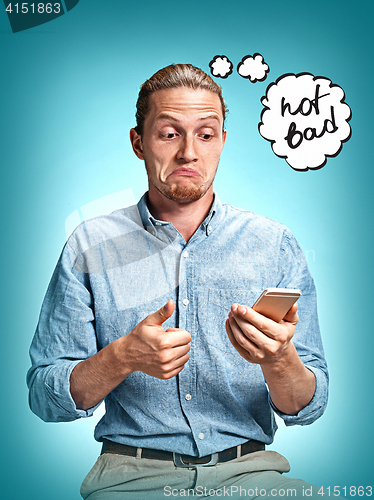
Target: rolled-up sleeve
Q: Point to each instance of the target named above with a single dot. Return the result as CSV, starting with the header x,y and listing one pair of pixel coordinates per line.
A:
x,y
307,339
65,336
315,408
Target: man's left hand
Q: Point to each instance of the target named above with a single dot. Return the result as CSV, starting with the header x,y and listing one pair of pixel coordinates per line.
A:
x,y
267,343
259,339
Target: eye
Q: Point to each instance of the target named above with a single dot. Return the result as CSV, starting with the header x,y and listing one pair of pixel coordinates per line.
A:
x,y
206,137
206,133
169,135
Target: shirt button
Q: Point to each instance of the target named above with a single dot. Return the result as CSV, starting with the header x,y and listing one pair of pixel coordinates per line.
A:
x,y
187,397
201,435
186,302
185,254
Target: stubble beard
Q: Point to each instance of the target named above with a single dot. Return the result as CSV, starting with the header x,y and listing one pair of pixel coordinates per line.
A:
x,y
183,194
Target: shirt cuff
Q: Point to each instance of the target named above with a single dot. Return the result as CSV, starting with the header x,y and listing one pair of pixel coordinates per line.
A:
x,y
315,408
55,403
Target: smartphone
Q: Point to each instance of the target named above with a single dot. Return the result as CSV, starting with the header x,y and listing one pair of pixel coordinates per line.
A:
x,y
274,303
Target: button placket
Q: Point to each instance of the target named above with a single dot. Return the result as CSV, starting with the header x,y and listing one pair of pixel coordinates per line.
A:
x,y
186,376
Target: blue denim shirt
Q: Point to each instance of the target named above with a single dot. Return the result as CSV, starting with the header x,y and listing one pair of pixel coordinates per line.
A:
x,y
117,269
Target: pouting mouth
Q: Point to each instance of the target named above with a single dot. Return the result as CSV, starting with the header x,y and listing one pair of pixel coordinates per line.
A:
x,y
189,172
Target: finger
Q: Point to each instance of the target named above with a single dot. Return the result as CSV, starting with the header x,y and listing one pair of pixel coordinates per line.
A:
x,y
233,340
158,317
174,354
167,365
292,316
177,337
261,330
246,354
180,361
250,338
170,374
244,315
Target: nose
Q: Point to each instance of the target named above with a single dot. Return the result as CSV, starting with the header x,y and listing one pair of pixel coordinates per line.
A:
x,y
187,150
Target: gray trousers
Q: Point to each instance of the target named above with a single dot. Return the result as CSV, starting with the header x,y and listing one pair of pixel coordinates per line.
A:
x,y
256,475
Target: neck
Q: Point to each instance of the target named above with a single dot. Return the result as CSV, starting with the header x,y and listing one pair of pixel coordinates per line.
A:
x,y
185,217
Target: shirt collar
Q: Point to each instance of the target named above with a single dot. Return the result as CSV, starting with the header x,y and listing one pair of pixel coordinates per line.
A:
x,y
151,224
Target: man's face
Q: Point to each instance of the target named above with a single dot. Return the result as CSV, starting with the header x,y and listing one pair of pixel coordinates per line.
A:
x,y
182,142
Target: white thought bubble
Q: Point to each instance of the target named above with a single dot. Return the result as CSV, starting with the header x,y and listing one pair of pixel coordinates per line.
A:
x,y
305,119
254,68
220,66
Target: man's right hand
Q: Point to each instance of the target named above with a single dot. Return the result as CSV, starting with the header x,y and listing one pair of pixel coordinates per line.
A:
x,y
147,348
154,351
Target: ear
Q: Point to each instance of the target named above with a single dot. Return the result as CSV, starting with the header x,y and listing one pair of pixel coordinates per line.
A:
x,y
224,136
136,142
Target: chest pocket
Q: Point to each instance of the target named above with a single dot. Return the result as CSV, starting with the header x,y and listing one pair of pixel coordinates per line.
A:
x,y
218,305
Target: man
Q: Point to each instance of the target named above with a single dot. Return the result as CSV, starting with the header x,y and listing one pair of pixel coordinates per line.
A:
x,y
149,309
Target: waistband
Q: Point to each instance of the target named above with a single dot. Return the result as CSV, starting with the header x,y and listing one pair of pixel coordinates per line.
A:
x,y
179,459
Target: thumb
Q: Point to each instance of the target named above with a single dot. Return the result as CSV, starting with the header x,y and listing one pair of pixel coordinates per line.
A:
x,y
158,317
292,315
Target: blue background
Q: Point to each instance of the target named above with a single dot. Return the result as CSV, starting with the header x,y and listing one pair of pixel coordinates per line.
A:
x,y
68,92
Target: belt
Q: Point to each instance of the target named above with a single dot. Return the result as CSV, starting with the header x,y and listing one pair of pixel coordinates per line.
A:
x,y
183,460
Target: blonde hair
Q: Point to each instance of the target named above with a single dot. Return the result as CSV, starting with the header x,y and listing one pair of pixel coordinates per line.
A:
x,y
174,76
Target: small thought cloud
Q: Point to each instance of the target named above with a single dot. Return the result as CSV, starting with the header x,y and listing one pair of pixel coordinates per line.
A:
x,y
253,68
221,66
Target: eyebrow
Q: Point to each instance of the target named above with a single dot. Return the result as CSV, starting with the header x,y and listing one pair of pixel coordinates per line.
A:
x,y
165,116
